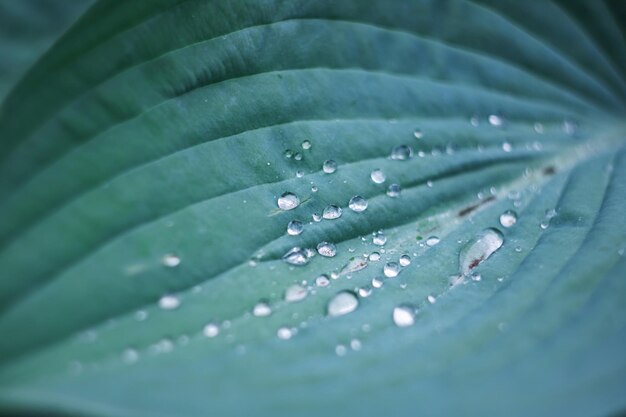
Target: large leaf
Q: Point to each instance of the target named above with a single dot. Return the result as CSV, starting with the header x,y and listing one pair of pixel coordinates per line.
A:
x,y
142,162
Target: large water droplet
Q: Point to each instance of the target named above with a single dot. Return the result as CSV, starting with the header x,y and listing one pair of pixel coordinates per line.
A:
x,y
377,282
479,249
357,204
374,256
327,249
404,315
379,239
295,293
169,302
378,176
342,303
329,166
508,218
296,256
294,228
393,190
391,269
288,201
261,309
332,212
401,153
405,260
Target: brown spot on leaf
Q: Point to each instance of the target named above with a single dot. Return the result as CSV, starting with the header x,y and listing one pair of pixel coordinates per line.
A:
x,y
468,210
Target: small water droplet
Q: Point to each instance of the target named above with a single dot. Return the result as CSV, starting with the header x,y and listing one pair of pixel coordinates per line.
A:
x,y
418,134
393,190
379,239
365,292
495,120
508,218
355,344
377,282
401,153
169,302
332,212
340,350
211,330
404,315
357,204
316,217
130,355
297,156
479,249
431,299
288,153
569,127
261,309
342,303
314,188
507,147
327,249
405,260
374,256
288,201
296,256
306,145
538,127
378,176
329,166
432,241
391,269
295,293
170,260
544,224
284,333
294,228
322,281
551,213
299,174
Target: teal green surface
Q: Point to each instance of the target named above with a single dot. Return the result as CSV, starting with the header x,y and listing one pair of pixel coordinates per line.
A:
x,y
160,127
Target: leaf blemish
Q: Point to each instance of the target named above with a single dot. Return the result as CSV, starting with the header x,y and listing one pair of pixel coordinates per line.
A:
x,y
468,210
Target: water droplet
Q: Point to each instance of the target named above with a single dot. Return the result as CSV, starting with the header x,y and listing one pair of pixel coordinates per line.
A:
x,y
299,174
378,176
405,260
342,303
379,239
507,147
418,134
211,330
569,127
432,241
130,355
479,249
288,201
316,217
495,120
170,260
508,218
327,249
474,121
314,188
332,212
141,315
431,299
296,256
329,166
357,204
261,309
294,228
295,293
355,344
377,282
288,153
538,127
340,350
365,292
322,281
550,214
306,144
374,256
297,156
404,315
401,153
284,333
544,224
391,269
169,302
393,190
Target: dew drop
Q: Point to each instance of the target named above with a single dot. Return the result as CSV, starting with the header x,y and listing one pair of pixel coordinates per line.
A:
x,y
507,147
405,260
377,282
401,153
393,190
329,166
431,299
374,256
342,303
418,134
322,281
294,228
169,302
479,249
288,153
355,344
378,176
211,330
288,201
404,315
327,249
316,217
130,355
297,156
170,260
432,241
538,127
544,224
295,293
391,269
357,204
365,292
296,256
332,212
306,145
299,174
495,120
379,239
284,333
340,350
261,309
508,218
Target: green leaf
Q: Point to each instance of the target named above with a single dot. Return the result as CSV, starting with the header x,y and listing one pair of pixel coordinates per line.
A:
x,y
144,154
